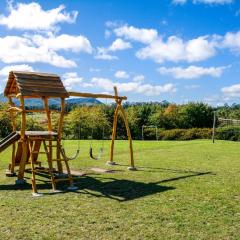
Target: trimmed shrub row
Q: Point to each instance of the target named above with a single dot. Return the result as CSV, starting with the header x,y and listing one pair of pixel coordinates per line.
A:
x,y
178,134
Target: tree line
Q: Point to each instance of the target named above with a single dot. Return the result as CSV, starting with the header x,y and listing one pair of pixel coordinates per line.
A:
x,y
95,121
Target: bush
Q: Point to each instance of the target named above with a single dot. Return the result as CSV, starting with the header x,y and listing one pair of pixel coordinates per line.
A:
x,y
173,134
228,133
186,134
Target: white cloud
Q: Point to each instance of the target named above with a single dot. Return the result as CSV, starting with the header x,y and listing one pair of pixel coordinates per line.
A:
x,y
31,16
179,2
121,74
232,91
221,2
139,78
64,42
142,35
14,49
134,87
175,49
215,2
71,79
191,72
22,67
36,48
119,44
232,41
102,53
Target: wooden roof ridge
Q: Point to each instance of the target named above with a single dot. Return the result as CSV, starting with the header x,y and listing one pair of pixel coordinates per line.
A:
x,y
35,84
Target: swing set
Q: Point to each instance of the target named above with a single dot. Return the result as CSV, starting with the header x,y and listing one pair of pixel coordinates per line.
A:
x,y
26,144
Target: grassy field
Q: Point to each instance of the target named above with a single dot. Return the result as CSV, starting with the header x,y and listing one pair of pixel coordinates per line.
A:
x,y
182,190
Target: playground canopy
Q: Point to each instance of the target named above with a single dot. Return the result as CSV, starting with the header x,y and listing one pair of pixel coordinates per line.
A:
x,y
35,84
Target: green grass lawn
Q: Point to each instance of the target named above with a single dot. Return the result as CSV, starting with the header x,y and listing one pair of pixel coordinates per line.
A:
x,y
182,190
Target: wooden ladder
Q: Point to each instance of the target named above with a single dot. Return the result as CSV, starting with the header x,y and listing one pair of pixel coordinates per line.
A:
x,y
54,175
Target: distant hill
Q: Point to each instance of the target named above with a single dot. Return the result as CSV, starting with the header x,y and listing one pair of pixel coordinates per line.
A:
x,y
37,103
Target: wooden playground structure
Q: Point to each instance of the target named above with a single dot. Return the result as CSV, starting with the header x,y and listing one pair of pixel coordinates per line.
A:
x,y
27,144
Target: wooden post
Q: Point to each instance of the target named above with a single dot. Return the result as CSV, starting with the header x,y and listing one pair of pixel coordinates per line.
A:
x,y
114,133
45,100
60,127
48,113
129,137
14,127
120,109
214,127
24,144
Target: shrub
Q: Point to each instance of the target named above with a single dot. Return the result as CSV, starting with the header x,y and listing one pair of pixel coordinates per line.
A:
x,y
228,133
186,134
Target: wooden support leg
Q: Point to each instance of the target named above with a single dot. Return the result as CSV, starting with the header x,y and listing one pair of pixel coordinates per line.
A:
x,y
20,178
129,138
34,186
58,155
114,133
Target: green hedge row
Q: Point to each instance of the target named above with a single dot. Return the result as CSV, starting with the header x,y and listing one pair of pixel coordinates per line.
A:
x,y
228,133
178,134
225,133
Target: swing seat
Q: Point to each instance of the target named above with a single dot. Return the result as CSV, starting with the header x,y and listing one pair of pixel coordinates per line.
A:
x,y
70,158
100,153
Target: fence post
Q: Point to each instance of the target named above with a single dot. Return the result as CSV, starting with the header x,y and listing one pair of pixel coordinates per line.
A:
x,y
214,127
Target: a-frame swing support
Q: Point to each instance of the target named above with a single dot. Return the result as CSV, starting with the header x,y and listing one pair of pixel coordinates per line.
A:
x,y
119,111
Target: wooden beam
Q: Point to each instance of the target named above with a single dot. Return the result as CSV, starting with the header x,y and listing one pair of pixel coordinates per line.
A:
x,y
93,95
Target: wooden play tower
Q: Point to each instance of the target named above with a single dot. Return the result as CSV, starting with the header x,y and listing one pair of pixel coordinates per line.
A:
x,y
27,144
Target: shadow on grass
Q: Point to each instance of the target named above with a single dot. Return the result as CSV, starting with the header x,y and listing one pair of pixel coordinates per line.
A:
x,y
116,189
157,169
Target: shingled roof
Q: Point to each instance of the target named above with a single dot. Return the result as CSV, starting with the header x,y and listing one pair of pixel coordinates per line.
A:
x,y
34,84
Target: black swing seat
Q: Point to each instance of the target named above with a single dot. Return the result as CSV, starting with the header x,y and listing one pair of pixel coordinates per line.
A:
x,y
99,153
70,158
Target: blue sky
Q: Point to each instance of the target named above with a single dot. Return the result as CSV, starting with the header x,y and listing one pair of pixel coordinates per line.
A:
x,y
175,50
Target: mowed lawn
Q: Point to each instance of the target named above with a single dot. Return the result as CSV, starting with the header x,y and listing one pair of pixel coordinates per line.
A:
x,y
182,190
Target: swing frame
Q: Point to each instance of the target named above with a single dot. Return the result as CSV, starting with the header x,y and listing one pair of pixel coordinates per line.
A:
x,y
119,111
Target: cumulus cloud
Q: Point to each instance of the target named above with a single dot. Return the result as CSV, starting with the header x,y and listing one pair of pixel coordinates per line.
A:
x,y
22,67
31,16
142,35
176,49
102,53
134,87
121,74
71,79
192,72
119,44
232,41
64,42
231,91
28,49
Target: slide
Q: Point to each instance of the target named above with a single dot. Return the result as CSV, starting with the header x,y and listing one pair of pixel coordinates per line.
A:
x,y
9,140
